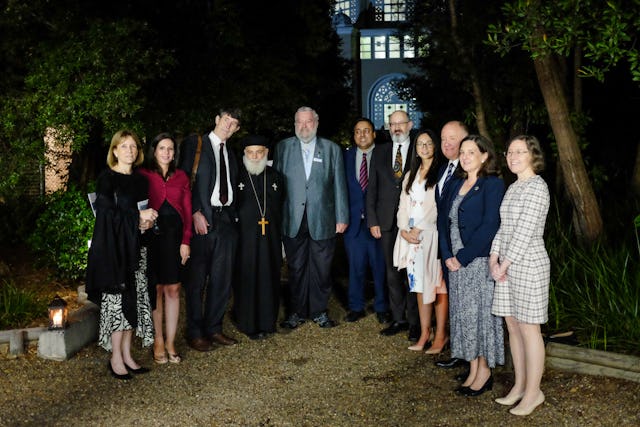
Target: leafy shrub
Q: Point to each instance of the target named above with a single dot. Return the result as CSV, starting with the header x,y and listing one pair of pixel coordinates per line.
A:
x,y
62,231
17,217
18,307
595,290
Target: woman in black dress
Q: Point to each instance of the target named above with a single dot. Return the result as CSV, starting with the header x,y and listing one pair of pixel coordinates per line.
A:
x,y
116,270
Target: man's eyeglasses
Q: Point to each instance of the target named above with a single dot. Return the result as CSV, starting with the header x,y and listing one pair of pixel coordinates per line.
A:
x,y
398,123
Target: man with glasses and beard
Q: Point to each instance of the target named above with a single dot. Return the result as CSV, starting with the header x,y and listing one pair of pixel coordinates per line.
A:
x,y
386,173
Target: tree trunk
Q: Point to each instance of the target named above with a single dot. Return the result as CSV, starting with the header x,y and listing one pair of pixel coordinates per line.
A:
x,y
476,88
635,179
574,171
577,80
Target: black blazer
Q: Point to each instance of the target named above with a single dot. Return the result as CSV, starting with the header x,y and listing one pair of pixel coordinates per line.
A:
x,y
206,174
383,192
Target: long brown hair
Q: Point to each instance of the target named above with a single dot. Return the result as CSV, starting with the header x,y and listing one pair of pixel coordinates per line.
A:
x,y
416,161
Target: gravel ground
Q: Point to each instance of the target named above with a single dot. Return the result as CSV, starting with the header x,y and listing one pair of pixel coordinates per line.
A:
x,y
347,376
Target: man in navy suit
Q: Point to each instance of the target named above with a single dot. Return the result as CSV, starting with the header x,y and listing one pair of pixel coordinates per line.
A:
x,y
215,239
315,208
387,171
452,134
362,248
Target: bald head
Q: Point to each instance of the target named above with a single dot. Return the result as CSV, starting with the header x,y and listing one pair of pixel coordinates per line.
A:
x,y
452,133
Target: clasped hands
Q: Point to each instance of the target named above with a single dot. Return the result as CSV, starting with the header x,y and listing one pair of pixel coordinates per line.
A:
x,y
453,264
412,236
498,269
147,218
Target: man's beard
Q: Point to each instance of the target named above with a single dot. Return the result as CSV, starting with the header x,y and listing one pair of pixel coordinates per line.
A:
x,y
399,138
309,138
255,167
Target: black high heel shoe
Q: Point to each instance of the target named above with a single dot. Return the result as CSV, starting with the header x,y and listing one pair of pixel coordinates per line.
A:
x,y
488,385
140,370
126,376
463,390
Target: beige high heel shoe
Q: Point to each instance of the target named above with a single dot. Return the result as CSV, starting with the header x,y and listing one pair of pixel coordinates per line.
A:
x,y
433,350
509,401
526,411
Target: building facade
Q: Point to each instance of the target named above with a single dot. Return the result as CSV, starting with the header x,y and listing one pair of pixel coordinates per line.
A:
x,y
379,54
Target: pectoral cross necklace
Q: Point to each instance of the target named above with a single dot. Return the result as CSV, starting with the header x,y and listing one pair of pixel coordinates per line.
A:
x,y
262,208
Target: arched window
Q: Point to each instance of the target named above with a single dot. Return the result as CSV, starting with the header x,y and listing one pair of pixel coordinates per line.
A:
x,y
384,100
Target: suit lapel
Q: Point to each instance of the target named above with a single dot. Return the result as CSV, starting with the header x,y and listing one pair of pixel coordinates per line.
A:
x,y
316,167
211,159
474,190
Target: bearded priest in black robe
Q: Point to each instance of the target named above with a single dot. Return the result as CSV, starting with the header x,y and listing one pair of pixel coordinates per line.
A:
x,y
259,259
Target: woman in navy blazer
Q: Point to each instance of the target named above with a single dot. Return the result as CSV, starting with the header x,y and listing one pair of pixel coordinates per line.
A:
x,y
472,205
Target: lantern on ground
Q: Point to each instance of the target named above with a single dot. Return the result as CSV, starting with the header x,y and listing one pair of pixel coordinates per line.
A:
x,y
57,314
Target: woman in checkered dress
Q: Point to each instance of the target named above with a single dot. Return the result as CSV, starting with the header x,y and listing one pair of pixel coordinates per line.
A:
x,y
520,266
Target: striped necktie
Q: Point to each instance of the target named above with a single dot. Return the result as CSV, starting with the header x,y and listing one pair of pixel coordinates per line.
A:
x,y
449,173
364,175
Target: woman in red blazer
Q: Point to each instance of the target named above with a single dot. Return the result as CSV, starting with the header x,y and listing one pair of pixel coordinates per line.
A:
x,y
170,195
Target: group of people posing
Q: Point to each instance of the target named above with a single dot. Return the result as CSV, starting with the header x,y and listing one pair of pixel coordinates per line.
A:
x,y
440,228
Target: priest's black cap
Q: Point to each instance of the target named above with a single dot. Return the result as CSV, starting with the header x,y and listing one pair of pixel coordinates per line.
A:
x,y
254,140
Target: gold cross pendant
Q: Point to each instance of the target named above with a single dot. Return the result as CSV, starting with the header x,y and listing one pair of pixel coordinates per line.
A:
x,y
263,222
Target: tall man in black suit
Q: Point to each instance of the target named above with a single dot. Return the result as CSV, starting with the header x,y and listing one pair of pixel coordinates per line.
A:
x,y
215,239
386,173
451,135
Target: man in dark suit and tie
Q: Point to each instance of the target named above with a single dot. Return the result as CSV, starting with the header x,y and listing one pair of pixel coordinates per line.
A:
x,y
451,135
383,195
315,209
215,239
362,248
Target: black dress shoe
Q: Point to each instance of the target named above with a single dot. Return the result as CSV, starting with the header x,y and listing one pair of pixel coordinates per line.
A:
x,y
394,328
451,363
324,321
140,370
462,376
258,336
354,316
126,376
414,333
383,317
292,322
488,385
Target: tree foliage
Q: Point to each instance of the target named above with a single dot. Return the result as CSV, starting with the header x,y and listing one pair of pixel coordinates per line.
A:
x,y
607,32
443,84
83,79
91,68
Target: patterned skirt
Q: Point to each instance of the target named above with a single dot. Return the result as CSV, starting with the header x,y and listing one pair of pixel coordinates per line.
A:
x,y
112,317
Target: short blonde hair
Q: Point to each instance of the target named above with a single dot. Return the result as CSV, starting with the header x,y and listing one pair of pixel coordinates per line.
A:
x,y
117,139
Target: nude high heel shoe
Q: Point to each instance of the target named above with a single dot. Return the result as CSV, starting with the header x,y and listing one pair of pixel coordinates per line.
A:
x,y
526,411
439,350
509,401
